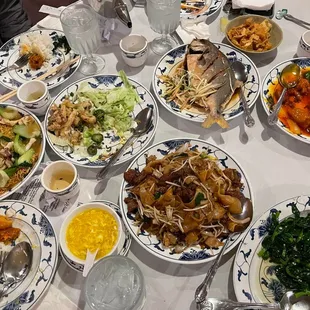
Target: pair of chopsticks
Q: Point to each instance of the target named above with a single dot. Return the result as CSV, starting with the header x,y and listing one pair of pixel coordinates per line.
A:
x,y
43,77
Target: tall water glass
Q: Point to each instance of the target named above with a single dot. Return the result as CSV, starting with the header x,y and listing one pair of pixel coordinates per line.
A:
x,y
115,283
81,27
164,18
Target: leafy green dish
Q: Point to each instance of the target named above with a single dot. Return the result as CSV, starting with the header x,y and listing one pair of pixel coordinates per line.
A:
x,y
287,245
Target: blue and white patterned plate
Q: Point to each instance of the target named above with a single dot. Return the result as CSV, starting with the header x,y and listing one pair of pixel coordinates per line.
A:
x,y
9,53
111,140
214,6
123,246
270,79
193,255
169,61
254,279
24,112
39,232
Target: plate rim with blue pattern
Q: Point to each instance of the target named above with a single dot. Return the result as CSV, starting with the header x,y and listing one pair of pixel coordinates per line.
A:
x,y
302,61
179,52
215,6
271,290
107,80
49,252
12,45
193,255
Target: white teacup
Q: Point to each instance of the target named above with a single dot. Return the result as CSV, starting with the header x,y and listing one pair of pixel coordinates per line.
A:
x,y
303,49
60,178
35,96
134,50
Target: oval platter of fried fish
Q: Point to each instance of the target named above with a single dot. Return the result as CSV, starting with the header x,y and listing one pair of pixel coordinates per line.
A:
x,y
196,82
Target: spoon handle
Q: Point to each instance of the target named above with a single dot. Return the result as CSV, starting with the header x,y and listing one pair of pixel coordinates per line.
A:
x,y
103,172
5,289
249,120
273,117
203,289
296,20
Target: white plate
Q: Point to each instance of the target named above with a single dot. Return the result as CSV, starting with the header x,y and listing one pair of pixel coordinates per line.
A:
x,y
122,248
193,255
271,78
23,111
110,138
254,280
39,232
214,6
9,53
169,61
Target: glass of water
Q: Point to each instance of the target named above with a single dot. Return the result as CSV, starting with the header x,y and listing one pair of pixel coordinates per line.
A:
x,y
80,24
115,283
164,18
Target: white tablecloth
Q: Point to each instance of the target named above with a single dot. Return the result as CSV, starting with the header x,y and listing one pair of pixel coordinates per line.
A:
x,y
277,165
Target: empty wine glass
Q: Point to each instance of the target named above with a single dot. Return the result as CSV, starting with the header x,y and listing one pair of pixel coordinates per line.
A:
x,y
164,18
81,27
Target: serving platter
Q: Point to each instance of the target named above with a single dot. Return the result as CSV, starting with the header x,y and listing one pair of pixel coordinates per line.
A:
x,y
270,79
24,112
9,53
234,108
111,140
192,255
254,279
39,232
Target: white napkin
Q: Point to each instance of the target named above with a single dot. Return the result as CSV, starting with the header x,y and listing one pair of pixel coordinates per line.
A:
x,y
189,30
259,5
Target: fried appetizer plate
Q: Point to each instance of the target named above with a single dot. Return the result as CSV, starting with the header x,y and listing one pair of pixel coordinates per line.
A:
x,y
174,200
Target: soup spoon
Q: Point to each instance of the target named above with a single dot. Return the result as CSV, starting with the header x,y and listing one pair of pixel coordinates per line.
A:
x,y
289,78
246,215
288,302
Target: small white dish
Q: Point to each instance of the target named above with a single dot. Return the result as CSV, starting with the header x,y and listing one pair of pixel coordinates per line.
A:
x,y
134,50
74,213
55,168
303,49
34,95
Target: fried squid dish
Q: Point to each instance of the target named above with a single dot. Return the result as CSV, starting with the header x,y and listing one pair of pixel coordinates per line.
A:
x,y
185,199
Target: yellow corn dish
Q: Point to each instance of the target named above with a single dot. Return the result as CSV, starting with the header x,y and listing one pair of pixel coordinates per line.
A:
x,y
91,230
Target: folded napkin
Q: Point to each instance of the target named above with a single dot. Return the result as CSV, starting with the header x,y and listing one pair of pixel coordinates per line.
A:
x,y
189,30
259,5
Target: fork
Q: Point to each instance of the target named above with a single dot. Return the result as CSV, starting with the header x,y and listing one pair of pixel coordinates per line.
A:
x,y
19,63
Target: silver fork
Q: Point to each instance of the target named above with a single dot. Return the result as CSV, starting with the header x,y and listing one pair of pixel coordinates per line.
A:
x,y
19,63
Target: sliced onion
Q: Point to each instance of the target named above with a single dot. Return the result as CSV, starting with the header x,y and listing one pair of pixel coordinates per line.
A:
x,y
241,222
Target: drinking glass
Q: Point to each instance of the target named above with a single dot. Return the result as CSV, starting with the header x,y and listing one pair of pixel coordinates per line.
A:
x,y
80,24
164,18
115,283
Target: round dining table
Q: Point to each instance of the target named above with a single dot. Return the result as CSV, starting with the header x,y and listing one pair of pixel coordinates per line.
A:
x,y
277,166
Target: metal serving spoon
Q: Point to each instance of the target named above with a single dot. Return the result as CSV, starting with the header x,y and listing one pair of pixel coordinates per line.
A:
x,y
288,302
241,74
144,122
289,78
16,265
284,14
203,289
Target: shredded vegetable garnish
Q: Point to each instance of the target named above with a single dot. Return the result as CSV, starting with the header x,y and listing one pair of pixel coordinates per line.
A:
x,y
91,230
185,199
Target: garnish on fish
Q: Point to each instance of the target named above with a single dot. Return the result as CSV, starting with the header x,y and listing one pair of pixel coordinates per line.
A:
x,y
204,81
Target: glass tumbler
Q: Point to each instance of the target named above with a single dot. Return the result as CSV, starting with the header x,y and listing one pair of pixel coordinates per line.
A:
x,y
164,18
115,283
80,24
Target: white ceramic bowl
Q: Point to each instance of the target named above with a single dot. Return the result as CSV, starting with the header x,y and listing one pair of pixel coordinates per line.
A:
x,y
75,212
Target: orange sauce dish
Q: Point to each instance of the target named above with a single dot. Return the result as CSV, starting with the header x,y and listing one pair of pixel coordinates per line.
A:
x,y
295,111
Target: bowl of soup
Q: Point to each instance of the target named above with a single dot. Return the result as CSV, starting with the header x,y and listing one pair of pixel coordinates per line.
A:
x,y
89,227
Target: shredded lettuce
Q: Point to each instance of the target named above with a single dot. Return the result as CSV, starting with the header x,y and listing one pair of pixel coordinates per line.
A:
x,y
87,134
117,103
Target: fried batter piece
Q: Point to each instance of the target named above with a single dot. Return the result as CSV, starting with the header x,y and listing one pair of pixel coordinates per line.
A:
x,y
8,235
